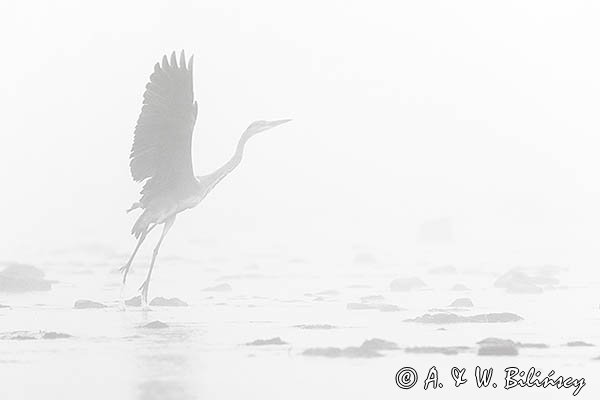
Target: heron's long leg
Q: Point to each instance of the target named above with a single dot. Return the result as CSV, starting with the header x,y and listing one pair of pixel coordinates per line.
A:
x,y
144,288
125,269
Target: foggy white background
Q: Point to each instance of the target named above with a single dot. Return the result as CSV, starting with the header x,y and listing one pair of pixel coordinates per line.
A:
x,y
404,112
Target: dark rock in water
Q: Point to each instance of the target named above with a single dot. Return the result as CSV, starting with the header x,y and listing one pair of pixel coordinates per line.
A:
x,y
441,329
223,287
336,352
172,302
518,281
447,350
462,302
498,350
493,341
373,306
20,278
83,304
134,301
264,342
459,287
524,288
55,335
579,343
17,335
406,284
155,325
379,344
28,335
388,307
497,347
441,318
444,269
316,326
532,345
450,318
495,317
369,349
23,337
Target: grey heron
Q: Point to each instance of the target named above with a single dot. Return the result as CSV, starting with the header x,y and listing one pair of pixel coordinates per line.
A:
x,y
161,155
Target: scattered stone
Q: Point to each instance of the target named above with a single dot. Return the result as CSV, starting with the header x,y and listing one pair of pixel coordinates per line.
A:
x,y
524,288
373,306
265,342
498,351
447,350
459,287
223,287
20,278
316,326
365,259
518,281
329,292
134,301
55,335
444,269
22,337
379,344
155,325
579,343
493,341
347,352
462,302
372,299
450,318
164,302
83,304
497,346
406,284
369,349
532,345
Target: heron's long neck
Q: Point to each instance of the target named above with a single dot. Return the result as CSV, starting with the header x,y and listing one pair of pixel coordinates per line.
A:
x,y
232,163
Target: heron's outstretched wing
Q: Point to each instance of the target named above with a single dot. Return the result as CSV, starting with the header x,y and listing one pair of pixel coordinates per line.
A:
x,y
163,135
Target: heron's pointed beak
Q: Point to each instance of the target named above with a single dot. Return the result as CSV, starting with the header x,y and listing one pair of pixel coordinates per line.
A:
x,y
278,122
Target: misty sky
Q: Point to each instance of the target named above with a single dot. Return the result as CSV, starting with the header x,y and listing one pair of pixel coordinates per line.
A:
x,y
484,113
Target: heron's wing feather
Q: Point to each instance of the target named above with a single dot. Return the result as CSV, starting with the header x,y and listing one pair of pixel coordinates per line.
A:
x,y
161,149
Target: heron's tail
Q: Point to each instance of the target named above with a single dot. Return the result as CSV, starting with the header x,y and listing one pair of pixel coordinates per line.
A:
x,y
141,225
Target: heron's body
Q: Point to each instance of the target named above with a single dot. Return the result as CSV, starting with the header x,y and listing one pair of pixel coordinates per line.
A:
x,y
161,154
158,210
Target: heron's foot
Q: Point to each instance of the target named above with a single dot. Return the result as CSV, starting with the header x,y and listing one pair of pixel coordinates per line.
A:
x,y
144,295
122,298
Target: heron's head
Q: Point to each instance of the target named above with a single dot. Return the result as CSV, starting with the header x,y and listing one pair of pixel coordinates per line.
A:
x,y
261,126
